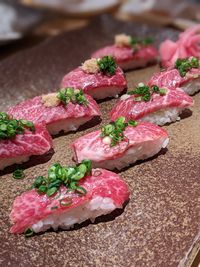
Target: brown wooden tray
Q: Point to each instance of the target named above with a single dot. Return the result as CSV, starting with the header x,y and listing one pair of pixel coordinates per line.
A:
x,y
160,224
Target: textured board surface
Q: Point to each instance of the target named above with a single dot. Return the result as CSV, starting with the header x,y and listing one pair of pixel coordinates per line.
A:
x,y
160,224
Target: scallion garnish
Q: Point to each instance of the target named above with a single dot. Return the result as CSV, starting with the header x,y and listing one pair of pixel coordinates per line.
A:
x,y
65,202
10,127
135,42
115,129
144,93
162,91
54,208
63,176
18,174
29,232
75,96
51,191
81,190
138,99
183,65
132,123
107,65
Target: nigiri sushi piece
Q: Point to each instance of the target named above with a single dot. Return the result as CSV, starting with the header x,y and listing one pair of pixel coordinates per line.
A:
x,y
187,45
100,78
73,195
130,52
152,104
120,144
185,74
66,110
20,139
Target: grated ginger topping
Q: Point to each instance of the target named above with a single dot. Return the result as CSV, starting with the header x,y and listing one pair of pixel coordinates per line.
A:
x,y
50,100
122,40
90,66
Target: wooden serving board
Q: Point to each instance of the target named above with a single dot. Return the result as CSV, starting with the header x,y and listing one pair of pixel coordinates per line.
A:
x,y
160,224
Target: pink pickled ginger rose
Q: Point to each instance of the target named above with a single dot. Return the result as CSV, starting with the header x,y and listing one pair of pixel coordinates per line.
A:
x,y
187,45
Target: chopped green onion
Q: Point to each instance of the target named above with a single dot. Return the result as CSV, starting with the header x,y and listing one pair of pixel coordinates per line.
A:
x,y
115,129
120,122
78,175
38,181
135,42
162,92
81,190
183,65
73,185
51,191
42,189
132,123
54,208
18,174
75,96
107,65
155,88
147,41
28,124
63,176
88,164
55,183
138,99
65,202
144,93
4,116
29,232
147,97
10,127
82,168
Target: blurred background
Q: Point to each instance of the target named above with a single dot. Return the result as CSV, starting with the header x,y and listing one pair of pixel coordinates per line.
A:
x,y
25,23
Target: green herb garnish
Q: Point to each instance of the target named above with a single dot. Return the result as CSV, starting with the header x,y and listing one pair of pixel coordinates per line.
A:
x,y
162,91
63,176
29,232
10,127
183,65
135,42
144,93
81,190
18,174
54,208
75,96
115,129
66,201
107,65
